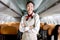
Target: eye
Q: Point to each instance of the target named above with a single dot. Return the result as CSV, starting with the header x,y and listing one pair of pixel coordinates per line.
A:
x,y
28,7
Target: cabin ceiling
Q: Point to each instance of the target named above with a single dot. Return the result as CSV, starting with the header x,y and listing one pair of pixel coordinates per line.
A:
x,y
18,6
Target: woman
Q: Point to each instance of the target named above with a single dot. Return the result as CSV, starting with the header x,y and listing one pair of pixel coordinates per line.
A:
x,y
56,32
30,23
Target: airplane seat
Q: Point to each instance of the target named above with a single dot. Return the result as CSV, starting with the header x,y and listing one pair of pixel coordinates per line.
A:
x,y
8,30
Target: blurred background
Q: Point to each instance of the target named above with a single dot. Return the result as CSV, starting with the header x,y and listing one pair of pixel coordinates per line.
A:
x,y
11,12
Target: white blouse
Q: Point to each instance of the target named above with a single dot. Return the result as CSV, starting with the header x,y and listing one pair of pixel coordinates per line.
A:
x,y
34,21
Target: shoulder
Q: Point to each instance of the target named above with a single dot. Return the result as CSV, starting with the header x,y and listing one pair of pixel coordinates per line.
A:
x,y
36,15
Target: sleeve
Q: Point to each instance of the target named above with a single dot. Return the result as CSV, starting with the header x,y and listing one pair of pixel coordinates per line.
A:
x,y
21,27
37,25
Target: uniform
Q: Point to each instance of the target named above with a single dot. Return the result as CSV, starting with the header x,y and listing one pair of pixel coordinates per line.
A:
x,y
32,33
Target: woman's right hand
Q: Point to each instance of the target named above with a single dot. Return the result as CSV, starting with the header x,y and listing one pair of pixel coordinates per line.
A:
x,y
31,27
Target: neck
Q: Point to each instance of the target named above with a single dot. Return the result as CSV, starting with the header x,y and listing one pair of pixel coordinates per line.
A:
x,y
58,37
59,34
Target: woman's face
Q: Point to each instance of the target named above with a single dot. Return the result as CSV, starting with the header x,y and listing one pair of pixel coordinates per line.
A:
x,y
59,30
30,8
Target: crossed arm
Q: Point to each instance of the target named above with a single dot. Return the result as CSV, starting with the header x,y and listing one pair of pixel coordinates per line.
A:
x,y
24,28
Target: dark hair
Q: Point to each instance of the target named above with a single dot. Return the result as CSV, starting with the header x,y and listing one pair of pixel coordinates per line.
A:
x,y
30,2
55,32
45,23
